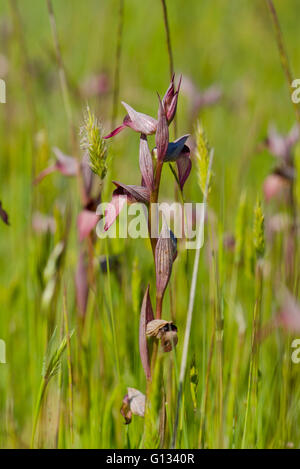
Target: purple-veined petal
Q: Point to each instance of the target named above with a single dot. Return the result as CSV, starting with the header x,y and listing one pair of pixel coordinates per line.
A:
x,y
81,283
184,166
164,258
146,164
138,121
162,132
86,222
3,215
145,317
175,148
119,199
134,193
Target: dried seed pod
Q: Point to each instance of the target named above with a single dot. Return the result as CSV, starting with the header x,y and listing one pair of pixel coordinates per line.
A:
x,y
125,410
158,327
168,340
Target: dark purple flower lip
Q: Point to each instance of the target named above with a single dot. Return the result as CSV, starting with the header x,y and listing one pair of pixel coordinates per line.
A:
x,y
180,153
184,166
177,147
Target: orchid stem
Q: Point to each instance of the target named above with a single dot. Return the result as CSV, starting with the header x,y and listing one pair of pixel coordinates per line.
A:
x,y
169,48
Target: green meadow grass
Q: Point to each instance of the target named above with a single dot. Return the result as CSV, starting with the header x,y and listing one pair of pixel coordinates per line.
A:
x,y
228,43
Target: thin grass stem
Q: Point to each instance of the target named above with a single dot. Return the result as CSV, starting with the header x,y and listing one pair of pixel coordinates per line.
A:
x,y
190,316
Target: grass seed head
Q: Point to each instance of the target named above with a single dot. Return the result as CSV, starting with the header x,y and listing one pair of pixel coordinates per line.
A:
x,y
93,143
259,231
202,156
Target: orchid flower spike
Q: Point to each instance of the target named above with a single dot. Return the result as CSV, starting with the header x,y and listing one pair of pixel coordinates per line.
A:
x,y
147,125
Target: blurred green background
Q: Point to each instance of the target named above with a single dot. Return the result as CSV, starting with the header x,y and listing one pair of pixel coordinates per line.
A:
x,y
227,43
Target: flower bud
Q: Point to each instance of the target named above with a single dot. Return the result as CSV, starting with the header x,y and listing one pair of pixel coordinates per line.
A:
x,y
162,133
